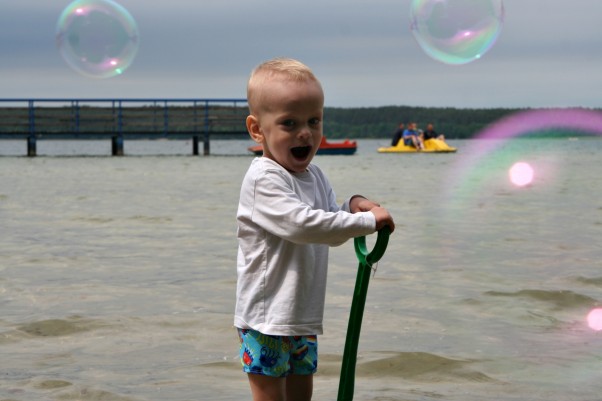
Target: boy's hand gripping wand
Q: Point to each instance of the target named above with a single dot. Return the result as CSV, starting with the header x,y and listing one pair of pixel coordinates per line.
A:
x,y
367,260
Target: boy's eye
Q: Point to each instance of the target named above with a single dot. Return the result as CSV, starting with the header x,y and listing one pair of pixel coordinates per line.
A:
x,y
314,122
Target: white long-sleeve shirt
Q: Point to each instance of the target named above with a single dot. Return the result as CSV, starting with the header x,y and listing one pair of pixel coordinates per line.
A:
x,y
286,222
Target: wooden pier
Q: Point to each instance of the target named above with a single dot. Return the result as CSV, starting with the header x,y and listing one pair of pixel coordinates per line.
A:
x,y
122,119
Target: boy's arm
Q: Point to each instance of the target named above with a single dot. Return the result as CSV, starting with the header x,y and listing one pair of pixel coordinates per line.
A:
x,y
358,203
276,208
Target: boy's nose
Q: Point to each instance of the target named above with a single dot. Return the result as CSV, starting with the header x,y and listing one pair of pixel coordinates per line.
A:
x,y
304,132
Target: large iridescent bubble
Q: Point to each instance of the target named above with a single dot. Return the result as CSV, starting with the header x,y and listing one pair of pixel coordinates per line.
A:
x,y
456,31
492,155
97,38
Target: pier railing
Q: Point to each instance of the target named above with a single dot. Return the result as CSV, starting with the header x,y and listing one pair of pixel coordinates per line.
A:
x,y
121,119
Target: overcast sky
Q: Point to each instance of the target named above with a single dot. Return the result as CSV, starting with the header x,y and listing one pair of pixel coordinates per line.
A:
x,y
549,53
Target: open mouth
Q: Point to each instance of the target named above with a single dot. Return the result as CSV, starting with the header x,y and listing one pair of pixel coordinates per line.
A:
x,y
301,152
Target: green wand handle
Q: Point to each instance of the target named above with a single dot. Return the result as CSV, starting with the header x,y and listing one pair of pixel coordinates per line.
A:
x,y
367,260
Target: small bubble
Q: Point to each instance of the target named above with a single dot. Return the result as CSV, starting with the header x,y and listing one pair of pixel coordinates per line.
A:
x,y
594,319
521,174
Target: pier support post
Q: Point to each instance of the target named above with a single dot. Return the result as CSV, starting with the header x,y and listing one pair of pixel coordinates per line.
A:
x,y
117,145
206,145
31,146
195,145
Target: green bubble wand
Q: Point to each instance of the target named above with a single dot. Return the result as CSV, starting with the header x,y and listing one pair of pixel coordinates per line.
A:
x,y
366,261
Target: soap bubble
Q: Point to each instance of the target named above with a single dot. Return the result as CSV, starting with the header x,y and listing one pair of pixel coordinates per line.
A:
x,y
487,157
456,31
521,174
97,38
594,319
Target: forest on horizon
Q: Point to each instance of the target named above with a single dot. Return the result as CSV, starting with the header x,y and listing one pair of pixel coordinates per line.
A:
x,y
382,122
229,122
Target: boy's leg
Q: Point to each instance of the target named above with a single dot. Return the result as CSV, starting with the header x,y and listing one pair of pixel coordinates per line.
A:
x,y
299,387
266,388
291,388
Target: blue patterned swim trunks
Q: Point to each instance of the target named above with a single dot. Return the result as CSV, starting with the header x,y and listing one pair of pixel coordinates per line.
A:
x,y
277,356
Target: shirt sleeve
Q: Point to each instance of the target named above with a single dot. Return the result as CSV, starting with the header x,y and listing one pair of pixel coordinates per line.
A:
x,y
282,212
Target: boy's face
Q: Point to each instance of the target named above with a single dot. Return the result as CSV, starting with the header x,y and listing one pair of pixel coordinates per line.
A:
x,y
288,122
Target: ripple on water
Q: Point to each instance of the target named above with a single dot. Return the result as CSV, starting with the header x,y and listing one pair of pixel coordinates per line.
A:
x,y
558,299
411,366
60,327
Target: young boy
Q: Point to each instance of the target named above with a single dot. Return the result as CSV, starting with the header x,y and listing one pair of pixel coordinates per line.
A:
x,y
287,218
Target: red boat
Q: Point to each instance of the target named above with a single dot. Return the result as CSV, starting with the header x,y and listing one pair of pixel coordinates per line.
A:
x,y
346,147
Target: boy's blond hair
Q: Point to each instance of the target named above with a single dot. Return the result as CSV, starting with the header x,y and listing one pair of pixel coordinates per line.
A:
x,y
286,68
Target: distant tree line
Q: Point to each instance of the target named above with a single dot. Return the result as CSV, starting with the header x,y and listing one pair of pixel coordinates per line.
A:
x,y
381,122
339,123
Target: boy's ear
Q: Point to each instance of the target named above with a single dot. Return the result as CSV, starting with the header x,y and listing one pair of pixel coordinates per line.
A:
x,y
254,129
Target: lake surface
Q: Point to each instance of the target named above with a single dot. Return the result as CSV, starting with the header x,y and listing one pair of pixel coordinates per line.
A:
x,y
117,274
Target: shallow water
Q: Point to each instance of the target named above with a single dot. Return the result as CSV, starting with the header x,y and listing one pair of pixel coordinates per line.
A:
x,y
117,275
